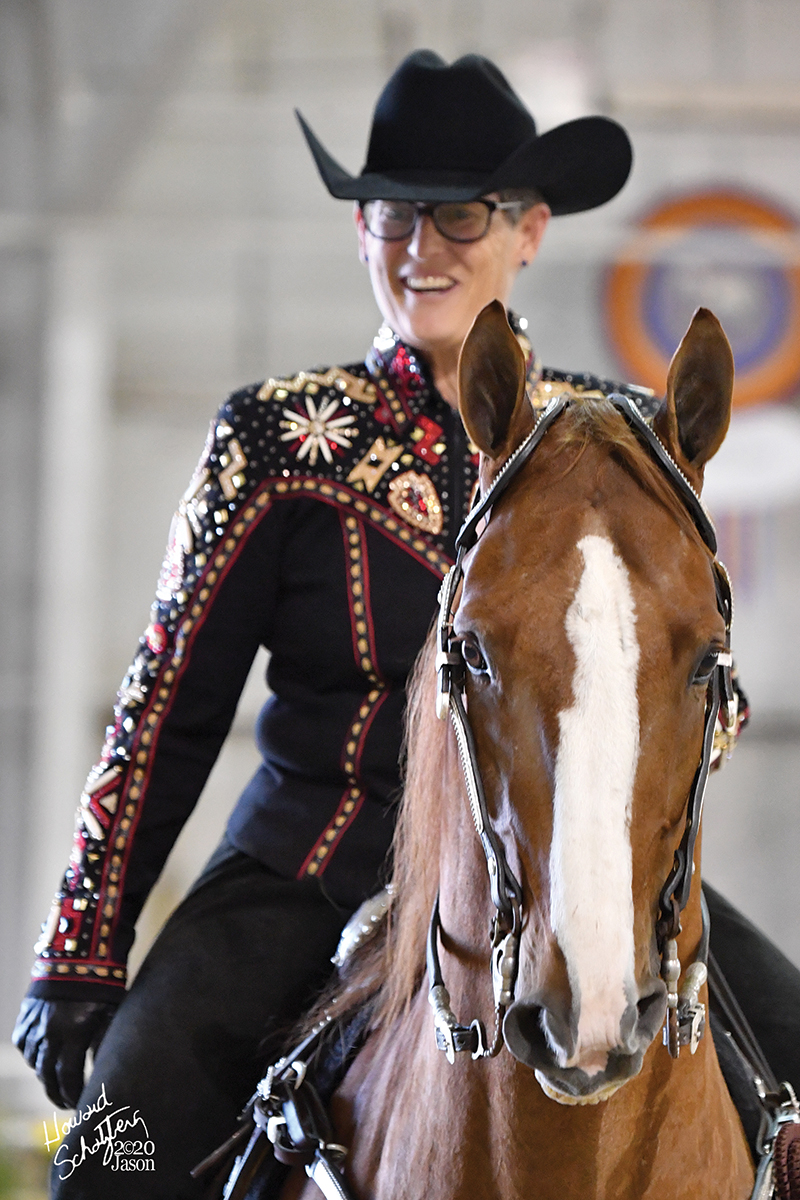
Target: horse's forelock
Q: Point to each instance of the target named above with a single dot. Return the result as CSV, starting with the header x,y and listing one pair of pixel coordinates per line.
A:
x,y
591,420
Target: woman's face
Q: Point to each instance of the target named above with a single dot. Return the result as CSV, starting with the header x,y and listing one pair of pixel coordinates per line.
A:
x,y
430,290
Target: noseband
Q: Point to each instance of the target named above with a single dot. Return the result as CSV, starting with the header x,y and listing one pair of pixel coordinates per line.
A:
x,y
685,1014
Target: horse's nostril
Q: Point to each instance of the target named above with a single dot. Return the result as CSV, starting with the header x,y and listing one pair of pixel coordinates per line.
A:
x,y
525,1021
523,1034
646,1003
650,1011
537,1035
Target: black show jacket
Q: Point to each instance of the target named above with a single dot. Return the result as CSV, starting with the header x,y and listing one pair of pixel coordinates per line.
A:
x,y
319,523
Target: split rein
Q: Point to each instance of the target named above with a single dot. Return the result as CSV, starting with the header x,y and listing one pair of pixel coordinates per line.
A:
x,y
685,1020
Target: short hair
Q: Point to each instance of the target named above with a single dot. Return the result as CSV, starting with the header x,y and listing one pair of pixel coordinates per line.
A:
x,y
525,197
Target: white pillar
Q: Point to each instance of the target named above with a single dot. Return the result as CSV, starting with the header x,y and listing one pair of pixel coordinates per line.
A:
x,y
74,457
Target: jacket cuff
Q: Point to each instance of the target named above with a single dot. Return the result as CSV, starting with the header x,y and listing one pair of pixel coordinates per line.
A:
x,y
61,989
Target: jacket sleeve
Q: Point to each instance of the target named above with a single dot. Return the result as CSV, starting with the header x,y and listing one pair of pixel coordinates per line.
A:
x,y
213,608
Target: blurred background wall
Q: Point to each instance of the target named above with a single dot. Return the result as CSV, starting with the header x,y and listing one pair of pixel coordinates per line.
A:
x,y
164,238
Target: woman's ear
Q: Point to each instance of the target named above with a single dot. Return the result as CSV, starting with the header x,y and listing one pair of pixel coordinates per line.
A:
x,y
361,230
530,228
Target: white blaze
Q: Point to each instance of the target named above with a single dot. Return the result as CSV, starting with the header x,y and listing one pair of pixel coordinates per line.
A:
x,y
591,898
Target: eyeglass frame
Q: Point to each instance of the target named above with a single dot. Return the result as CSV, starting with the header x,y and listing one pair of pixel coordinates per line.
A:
x,y
428,210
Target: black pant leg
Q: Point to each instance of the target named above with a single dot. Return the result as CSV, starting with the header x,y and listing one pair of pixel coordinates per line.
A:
x,y
764,981
235,965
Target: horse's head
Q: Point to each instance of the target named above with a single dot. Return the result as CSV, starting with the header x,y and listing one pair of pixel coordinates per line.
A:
x,y
589,627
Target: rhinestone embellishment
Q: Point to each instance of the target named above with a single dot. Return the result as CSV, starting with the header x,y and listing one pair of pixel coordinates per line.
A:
x,y
414,498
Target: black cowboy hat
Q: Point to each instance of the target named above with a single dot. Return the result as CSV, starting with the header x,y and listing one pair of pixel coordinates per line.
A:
x,y
459,132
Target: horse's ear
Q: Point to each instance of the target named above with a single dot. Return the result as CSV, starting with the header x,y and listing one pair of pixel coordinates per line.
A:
x,y
491,384
694,416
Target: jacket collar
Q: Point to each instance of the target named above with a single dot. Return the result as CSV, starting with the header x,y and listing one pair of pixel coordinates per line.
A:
x,y
407,372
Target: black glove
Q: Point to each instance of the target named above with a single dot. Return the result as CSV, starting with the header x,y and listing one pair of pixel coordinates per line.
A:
x,y
53,1037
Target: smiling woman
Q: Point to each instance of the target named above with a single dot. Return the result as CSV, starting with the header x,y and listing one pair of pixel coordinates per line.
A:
x,y
319,522
429,284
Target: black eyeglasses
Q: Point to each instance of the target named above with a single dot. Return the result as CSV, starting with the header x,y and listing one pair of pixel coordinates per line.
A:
x,y
396,220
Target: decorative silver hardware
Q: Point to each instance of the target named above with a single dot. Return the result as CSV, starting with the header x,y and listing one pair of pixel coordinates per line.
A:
x,y
469,770
363,925
504,970
299,1068
444,1020
691,1012
274,1126
787,1113
325,1175
445,658
264,1089
482,1050
686,1016
671,973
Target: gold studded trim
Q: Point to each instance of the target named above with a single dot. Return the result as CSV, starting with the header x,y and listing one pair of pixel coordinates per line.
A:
x,y
342,497
96,966
541,395
81,969
358,597
144,746
232,479
547,390
396,407
353,797
311,382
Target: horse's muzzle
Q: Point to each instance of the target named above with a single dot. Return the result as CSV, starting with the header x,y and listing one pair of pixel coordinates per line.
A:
x,y
540,1037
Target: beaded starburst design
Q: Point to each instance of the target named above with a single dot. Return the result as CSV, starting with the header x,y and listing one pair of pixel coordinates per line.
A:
x,y
318,431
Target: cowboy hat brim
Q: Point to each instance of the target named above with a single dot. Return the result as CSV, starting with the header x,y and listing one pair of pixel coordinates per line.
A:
x,y
576,166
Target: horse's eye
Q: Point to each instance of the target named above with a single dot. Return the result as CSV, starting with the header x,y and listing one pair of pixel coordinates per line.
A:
x,y
473,657
705,668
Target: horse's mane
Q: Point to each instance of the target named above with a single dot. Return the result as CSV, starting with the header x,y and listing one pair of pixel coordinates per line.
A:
x,y
388,971
431,778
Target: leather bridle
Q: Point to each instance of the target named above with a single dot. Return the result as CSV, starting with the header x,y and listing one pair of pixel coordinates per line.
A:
x,y
685,1014
285,1111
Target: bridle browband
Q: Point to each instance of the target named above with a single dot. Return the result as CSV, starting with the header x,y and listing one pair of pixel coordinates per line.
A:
x,y
685,1014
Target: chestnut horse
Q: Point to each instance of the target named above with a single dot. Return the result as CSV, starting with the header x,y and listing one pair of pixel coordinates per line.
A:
x,y
588,624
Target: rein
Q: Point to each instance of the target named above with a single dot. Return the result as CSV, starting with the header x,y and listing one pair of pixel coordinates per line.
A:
x,y
685,1021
